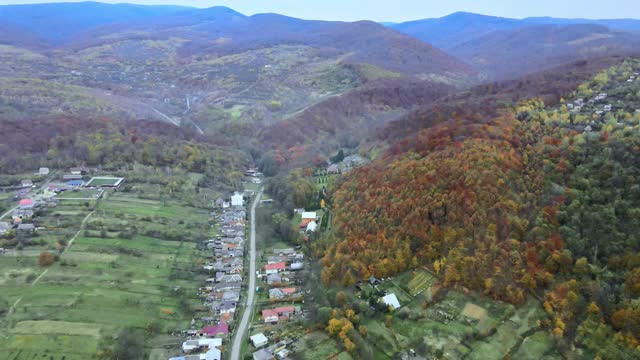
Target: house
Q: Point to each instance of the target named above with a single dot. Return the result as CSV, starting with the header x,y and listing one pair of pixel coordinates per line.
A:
x,y
237,199
216,330
21,214
231,296
275,267
26,227
43,171
282,354
273,279
263,354
312,227
78,171
308,217
192,345
297,266
26,204
270,316
259,340
228,307
333,169
26,183
391,300
281,293
277,314
374,280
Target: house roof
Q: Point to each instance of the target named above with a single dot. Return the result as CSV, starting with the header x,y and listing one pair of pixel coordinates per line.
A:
x,y
285,309
289,291
259,339
309,215
312,226
391,300
215,330
267,313
276,266
24,202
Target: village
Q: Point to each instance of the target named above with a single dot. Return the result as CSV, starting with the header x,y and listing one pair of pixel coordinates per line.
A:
x,y
20,225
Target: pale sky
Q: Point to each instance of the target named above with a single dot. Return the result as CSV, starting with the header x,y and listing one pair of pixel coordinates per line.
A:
x,y
403,10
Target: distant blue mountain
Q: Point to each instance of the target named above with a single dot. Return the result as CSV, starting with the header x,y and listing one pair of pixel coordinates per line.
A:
x,y
451,31
56,22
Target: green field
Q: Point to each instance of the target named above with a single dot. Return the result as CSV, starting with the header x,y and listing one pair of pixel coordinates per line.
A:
x,y
103,282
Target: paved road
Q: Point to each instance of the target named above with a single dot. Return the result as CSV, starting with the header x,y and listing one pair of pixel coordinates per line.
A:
x,y
251,290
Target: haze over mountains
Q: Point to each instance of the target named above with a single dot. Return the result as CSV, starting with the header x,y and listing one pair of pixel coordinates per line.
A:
x,y
504,48
220,72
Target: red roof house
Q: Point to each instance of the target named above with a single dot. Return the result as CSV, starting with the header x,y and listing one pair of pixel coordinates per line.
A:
x,y
275,267
26,202
216,330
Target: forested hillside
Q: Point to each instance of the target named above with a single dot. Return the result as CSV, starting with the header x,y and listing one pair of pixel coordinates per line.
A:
x,y
64,142
536,199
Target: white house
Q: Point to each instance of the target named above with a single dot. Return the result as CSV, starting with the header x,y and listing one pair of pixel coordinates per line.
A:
x,y
307,215
191,345
259,340
312,227
237,200
391,300
43,171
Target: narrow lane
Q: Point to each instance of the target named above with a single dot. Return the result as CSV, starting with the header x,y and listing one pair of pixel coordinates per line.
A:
x,y
251,289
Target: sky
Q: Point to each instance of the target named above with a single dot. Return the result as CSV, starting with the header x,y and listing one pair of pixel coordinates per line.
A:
x,y
403,10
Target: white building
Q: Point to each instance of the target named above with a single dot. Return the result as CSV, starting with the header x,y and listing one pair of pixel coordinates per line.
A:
x,y
312,227
237,200
391,300
43,171
259,340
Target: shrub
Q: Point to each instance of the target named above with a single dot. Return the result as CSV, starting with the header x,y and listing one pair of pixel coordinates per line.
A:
x,y
46,259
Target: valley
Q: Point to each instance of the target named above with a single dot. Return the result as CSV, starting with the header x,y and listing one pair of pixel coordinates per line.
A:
x,y
182,183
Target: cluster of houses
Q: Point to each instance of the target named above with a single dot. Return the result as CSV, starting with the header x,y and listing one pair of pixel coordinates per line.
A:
x,y
277,351
279,275
221,293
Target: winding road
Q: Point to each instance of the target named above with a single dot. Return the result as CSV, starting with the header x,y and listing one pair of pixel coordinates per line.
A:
x,y
251,289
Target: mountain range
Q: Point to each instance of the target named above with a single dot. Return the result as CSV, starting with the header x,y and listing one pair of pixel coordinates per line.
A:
x,y
218,71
